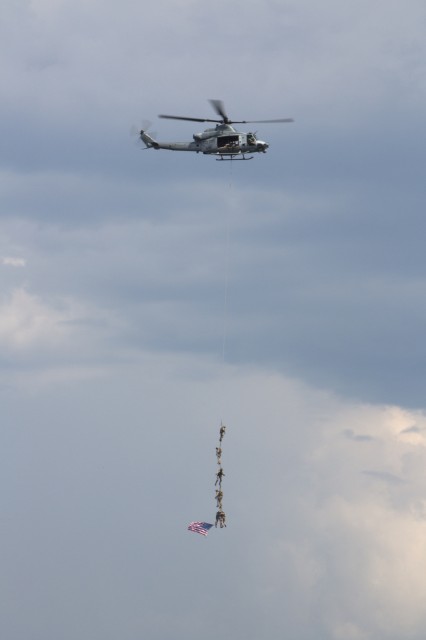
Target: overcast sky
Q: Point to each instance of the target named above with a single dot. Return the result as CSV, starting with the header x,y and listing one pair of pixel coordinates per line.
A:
x,y
145,296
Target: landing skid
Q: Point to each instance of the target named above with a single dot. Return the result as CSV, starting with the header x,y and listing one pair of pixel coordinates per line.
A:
x,y
222,158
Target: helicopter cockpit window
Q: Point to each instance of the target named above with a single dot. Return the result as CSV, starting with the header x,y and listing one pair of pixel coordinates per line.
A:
x,y
251,139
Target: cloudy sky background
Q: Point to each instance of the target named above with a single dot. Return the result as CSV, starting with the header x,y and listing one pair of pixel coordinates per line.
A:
x,y
146,296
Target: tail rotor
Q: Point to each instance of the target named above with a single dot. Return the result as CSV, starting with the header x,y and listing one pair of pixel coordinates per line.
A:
x,y
139,131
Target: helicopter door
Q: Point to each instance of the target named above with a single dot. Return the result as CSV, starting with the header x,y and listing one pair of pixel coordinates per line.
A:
x,y
227,142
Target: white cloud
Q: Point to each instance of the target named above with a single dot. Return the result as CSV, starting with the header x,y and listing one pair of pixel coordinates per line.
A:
x,y
359,546
36,329
13,262
26,321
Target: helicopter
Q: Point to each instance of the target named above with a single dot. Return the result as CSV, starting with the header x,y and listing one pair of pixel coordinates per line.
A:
x,y
223,140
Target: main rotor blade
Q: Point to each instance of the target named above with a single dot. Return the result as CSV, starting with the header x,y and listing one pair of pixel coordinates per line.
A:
x,y
263,121
219,107
185,118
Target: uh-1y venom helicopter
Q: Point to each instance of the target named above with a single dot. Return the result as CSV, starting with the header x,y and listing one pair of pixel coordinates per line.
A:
x,y
223,141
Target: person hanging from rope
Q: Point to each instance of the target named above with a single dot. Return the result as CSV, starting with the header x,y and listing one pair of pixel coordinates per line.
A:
x,y
222,432
220,519
219,475
218,455
219,498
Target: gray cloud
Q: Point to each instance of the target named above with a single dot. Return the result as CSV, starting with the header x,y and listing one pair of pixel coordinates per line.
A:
x,y
357,437
341,300
412,429
384,475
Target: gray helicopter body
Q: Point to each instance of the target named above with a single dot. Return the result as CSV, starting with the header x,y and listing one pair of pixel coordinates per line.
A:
x,y
223,140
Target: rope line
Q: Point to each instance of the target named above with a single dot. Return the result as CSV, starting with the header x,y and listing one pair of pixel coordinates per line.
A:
x,y
220,514
226,285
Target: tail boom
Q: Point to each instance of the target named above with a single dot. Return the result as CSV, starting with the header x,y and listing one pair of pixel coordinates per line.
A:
x,y
148,141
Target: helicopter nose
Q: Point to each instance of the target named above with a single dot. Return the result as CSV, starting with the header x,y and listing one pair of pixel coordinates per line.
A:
x,y
262,146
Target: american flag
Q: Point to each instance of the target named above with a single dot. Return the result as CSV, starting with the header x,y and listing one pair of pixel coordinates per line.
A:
x,y
200,527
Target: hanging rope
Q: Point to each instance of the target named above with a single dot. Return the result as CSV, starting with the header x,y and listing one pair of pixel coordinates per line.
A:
x,y
226,261
198,526
220,514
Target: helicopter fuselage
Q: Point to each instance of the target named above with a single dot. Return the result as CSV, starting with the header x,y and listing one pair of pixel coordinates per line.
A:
x,y
222,140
